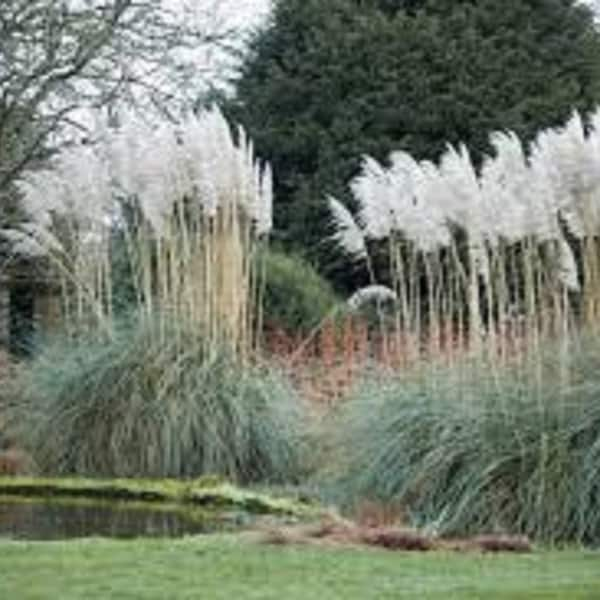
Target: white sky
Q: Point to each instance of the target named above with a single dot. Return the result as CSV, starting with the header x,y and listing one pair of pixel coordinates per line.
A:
x,y
247,11
221,15
192,70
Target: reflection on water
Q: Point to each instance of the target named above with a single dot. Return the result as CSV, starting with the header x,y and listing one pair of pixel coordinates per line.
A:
x,y
52,520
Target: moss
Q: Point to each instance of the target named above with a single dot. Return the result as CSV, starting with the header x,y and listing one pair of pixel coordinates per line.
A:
x,y
227,495
210,493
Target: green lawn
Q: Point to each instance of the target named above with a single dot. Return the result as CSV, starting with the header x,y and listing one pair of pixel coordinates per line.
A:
x,y
227,568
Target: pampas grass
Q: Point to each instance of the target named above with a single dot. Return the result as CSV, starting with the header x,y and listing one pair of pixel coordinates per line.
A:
x,y
469,450
479,254
129,407
172,219
191,205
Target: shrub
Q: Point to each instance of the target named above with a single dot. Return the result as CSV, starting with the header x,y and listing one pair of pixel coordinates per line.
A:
x,y
132,407
468,450
9,382
296,297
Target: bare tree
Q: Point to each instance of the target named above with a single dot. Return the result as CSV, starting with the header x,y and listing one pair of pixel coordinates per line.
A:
x,y
59,58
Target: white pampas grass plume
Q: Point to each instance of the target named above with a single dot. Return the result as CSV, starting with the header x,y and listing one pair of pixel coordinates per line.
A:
x,y
371,293
23,244
567,266
43,236
264,218
464,203
416,197
573,160
347,232
372,189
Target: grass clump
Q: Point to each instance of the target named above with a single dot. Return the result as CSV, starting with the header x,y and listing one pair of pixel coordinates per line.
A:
x,y
129,407
209,492
296,298
468,450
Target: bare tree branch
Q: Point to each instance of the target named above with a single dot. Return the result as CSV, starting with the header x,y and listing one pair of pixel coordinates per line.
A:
x,y
61,57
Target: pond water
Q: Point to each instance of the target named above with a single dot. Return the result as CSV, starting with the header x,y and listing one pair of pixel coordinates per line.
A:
x,y
53,520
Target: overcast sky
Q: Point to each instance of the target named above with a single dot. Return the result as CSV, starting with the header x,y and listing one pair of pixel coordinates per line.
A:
x,y
221,15
218,15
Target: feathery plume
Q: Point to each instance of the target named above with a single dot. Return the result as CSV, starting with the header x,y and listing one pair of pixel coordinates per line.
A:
x,y
567,266
372,189
347,232
371,293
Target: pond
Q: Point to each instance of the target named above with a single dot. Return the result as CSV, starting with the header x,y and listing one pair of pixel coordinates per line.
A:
x,y
55,520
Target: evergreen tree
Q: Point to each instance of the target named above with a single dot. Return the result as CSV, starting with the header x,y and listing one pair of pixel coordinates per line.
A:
x,y
327,82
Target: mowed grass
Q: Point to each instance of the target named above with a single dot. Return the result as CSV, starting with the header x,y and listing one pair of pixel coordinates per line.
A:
x,y
226,567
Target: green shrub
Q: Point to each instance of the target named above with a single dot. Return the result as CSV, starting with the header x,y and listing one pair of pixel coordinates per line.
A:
x,y
134,407
296,297
468,451
9,389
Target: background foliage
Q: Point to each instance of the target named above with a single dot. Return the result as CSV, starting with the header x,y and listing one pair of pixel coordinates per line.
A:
x,y
296,298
